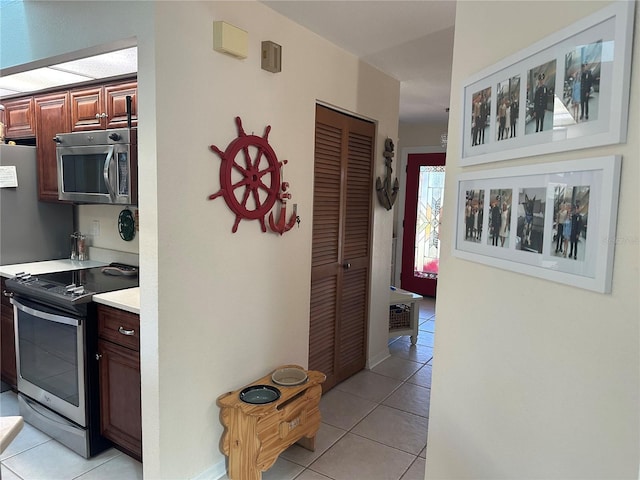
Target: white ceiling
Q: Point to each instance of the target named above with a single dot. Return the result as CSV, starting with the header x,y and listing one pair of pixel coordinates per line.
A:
x,y
411,41
105,65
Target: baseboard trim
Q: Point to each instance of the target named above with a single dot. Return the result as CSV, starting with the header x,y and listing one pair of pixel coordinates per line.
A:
x,y
377,359
215,472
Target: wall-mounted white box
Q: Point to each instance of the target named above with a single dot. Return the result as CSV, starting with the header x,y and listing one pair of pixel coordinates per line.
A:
x,y
230,39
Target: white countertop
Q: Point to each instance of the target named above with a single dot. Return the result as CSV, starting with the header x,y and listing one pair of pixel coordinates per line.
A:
x,y
47,266
128,299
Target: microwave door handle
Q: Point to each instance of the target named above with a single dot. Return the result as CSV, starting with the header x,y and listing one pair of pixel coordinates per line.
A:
x,y
105,174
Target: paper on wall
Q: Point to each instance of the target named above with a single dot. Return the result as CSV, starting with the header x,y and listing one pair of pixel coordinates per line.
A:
x,y
8,176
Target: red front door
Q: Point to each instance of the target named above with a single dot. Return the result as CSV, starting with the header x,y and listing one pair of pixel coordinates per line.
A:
x,y
423,207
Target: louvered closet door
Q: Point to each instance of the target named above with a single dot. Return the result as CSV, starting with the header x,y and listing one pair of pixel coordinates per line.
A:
x,y
343,190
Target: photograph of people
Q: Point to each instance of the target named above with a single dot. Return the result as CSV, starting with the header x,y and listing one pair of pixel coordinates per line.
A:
x,y
560,215
505,219
515,110
530,229
474,215
499,212
480,108
507,95
571,207
540,95
582,81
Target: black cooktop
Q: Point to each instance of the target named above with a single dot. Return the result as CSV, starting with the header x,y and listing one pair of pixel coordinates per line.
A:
x,y
74,286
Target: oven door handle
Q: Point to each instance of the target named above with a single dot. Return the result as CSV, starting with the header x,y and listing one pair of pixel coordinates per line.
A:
x,y
105,173
44,315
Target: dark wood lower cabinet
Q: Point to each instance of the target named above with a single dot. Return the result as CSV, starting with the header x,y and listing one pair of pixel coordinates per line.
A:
x,y
7,339
120,399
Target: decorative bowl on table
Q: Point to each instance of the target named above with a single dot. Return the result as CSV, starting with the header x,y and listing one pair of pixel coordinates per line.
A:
x,y
289,376
259,394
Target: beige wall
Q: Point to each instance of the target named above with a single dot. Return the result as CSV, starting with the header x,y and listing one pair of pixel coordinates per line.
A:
x,y
249,310
220,309
420,134
534,379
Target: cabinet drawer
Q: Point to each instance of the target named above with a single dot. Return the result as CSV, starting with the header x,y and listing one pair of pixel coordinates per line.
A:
x,y
120,327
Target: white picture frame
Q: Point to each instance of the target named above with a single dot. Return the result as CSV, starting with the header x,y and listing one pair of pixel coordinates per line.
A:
x,y
603,43
535,197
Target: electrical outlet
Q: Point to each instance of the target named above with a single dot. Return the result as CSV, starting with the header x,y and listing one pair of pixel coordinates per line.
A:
x,y
95,228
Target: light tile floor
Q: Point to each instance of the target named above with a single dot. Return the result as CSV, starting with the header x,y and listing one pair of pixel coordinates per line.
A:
x,y
374,427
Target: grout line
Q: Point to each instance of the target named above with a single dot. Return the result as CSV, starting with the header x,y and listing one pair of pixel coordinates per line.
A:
x,y
17,476
389,446
98,466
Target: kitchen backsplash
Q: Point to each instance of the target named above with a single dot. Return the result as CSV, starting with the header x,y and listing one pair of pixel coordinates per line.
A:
x,y
100,224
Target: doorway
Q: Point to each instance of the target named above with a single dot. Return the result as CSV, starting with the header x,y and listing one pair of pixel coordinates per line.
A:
x,y
421,225
341,246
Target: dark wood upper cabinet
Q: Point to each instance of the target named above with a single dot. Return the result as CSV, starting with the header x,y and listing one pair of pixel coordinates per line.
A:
x,y
19,118
87,108
52,117
116,104
103,106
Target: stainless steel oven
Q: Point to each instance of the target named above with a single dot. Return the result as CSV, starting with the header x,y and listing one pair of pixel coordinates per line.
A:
x,y
56,335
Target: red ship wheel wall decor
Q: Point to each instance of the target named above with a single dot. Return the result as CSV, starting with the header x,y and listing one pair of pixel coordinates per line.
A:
x,y
250,181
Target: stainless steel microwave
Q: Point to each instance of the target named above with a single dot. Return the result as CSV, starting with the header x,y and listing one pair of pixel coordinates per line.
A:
x,y
100,166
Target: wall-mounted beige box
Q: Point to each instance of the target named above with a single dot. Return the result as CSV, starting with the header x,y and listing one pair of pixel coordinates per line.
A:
x,y
230,39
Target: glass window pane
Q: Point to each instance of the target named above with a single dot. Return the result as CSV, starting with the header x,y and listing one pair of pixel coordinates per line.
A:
x,y
430,191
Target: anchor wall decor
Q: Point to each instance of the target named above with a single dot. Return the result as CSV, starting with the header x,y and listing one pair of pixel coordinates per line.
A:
x,y
387,190
251,184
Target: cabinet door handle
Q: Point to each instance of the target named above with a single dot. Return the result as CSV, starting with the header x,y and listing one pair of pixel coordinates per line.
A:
x,y
124,331
7,293
98,356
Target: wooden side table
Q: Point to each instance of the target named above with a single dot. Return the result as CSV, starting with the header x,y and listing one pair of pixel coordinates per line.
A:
x,y
404,297
255,435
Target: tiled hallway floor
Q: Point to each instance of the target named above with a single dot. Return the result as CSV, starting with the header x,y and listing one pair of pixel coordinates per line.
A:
x,y
374,427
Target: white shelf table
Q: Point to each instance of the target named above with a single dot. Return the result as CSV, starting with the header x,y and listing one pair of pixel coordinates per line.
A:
x,y
410,299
